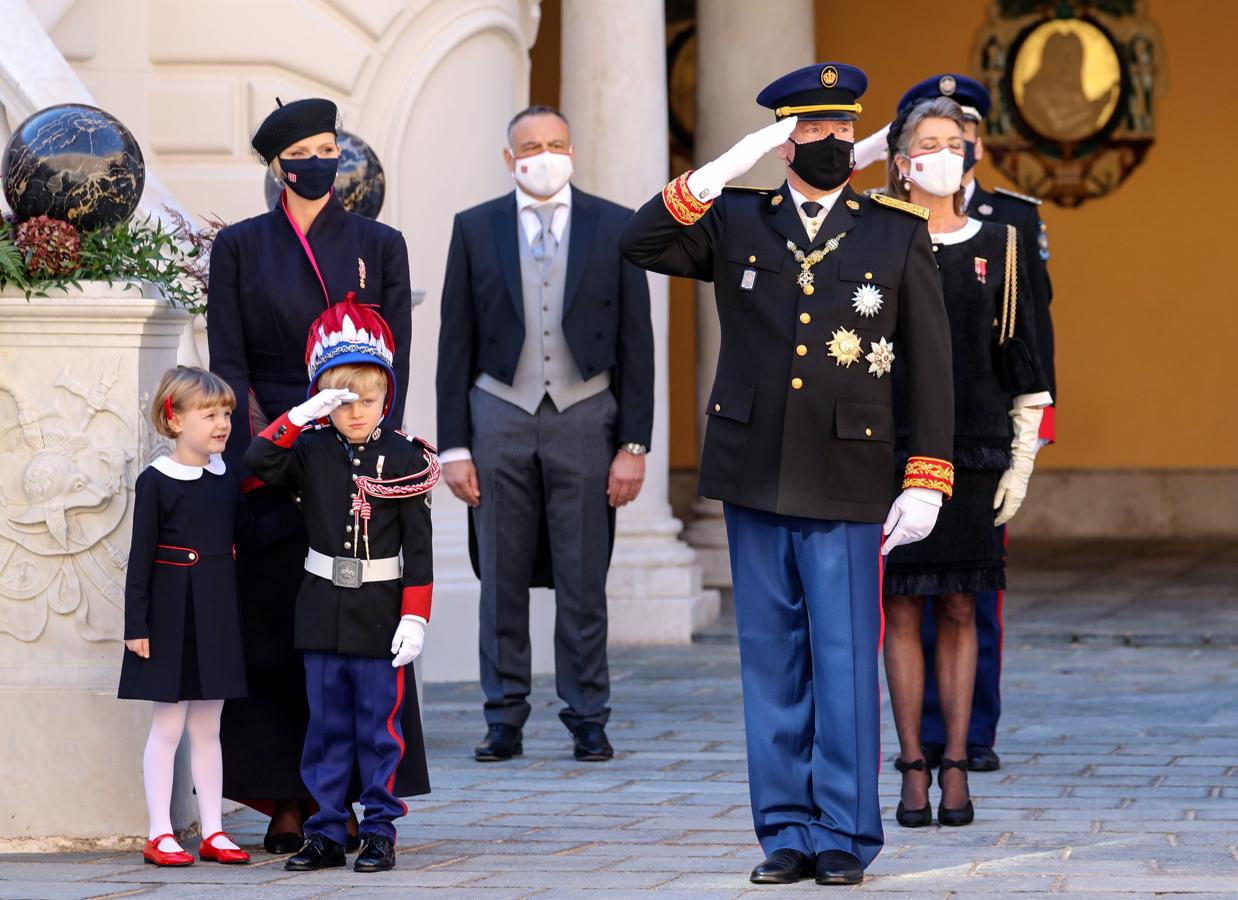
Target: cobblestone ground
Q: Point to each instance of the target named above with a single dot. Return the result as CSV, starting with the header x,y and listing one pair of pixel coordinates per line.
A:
x,y
1119,751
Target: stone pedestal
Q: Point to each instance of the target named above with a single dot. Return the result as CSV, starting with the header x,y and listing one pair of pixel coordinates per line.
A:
x,y
614,94
76,375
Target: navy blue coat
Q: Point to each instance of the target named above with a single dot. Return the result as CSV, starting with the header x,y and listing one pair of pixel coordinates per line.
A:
x,y
264,295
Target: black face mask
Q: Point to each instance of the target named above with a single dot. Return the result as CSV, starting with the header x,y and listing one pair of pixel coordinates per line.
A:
x,y
824,164
311,177
969,156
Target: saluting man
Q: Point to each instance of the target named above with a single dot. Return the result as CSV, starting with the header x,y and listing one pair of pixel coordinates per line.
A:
x,y
1005,208
818,290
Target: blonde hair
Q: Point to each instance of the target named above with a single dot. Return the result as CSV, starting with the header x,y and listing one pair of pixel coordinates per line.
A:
x,y
900,144
187,388
356,377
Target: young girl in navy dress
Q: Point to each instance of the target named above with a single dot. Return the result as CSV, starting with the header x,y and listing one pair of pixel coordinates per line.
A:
x,y
182,626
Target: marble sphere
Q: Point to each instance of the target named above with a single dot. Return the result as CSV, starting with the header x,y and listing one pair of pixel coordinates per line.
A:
x,y
75,163
360,182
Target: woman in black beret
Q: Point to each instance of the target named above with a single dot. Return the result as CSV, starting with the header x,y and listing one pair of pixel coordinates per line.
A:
x,y
270,277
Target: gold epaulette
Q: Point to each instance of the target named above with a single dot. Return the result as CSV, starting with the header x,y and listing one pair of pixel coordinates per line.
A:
x,y
921,211
1026,198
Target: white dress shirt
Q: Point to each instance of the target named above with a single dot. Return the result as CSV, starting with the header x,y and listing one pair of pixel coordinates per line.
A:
x,y
530,227
812,224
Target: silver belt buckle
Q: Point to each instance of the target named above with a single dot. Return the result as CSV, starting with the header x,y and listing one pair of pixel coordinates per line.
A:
x,y
346,572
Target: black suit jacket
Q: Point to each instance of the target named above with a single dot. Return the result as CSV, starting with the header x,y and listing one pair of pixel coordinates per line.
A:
x,y
605,312
824,449
1023,214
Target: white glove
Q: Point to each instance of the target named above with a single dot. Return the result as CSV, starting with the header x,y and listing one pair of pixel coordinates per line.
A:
x,y
872,148
321,404
911,518
707,182
1013,487
410,635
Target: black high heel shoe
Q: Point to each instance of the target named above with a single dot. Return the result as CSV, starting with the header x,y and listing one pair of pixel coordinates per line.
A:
x,y
964,814
914,818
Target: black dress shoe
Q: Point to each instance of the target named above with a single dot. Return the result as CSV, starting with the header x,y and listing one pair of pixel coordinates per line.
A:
x,y
982,759
591,743
964,815
318,852
914,818
932,754
377,855
501,742
281,843
839,867
782,867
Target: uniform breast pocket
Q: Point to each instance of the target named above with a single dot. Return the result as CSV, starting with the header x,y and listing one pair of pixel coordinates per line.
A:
x,y
860,464
726,434
749,275
869,294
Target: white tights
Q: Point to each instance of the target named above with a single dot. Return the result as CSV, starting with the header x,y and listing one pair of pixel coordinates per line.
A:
x,y
169,721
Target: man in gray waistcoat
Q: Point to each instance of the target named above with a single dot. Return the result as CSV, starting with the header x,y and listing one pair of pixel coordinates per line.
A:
x,y
545,409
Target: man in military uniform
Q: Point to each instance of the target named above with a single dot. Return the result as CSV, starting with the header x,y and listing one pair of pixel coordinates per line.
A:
x,y
817,289
1006,208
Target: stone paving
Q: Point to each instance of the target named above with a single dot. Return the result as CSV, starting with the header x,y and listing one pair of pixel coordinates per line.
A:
x,y
1119,750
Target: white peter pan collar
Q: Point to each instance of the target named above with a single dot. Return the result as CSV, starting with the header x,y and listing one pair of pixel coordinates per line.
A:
x,y
966,233
181,472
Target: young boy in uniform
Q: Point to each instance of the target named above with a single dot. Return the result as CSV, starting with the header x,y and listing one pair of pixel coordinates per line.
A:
x,y
364,491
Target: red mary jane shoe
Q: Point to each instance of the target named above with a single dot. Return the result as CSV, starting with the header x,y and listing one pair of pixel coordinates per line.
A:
x,y
156,857
208,852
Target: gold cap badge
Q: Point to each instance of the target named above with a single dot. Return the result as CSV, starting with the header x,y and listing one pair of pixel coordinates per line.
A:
x,y
829,77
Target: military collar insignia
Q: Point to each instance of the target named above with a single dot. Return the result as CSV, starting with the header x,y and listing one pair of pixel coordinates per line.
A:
x,y
181,472
775,201
882,358
985,209
851,204
845,347
867,300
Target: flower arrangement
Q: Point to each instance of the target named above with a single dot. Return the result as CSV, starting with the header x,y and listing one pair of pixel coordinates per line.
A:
x,y
43,254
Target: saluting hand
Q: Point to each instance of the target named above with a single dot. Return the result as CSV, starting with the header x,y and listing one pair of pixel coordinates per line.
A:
x,y
140,646
707,182
461,477
627,474
325,402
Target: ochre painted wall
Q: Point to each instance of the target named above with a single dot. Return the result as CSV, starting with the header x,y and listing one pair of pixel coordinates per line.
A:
x,y
1146,308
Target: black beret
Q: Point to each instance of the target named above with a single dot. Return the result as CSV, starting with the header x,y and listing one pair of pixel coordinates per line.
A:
x,y
292,122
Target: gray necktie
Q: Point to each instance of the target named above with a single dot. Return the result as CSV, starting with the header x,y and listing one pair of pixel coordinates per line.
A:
x,y
545,244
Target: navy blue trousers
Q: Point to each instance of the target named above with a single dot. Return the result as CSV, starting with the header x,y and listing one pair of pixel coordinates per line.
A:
x,y
986,704
808,608
354,705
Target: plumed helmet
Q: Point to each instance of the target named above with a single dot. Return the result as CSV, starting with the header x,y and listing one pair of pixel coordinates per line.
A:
x,y
350,333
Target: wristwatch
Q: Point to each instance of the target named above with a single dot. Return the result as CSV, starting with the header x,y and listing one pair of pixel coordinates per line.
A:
x,y
635,449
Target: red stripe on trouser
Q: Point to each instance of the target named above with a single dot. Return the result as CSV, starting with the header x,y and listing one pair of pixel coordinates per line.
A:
x,y
399,740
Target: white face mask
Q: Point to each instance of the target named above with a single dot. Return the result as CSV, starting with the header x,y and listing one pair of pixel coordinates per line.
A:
x,y
543,174
939,173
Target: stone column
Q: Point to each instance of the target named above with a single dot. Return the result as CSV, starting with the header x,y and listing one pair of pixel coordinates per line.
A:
x,y
614,95
735,58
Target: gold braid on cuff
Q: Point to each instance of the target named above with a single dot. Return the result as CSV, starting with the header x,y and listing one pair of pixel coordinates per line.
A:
x,y
683,207
927,472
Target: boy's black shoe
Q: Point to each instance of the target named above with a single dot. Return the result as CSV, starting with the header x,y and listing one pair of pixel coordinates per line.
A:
x,y
377,854
501,742
318,852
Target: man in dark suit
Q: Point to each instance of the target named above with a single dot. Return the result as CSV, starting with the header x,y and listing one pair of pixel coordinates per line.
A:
x,y
545,411
818,288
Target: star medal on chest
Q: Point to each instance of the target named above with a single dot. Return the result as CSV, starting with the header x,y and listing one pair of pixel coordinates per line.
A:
x,y
807,261
882,358
360,273
845,347
982,269
867,300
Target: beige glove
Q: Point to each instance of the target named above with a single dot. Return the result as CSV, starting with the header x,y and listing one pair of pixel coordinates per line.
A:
x,y
1013,486
871,149
707,182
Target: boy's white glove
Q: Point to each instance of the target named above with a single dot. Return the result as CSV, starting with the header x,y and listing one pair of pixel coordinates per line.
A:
x,y
872,148
325,402
707,182
410,636
1012,489
911,518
